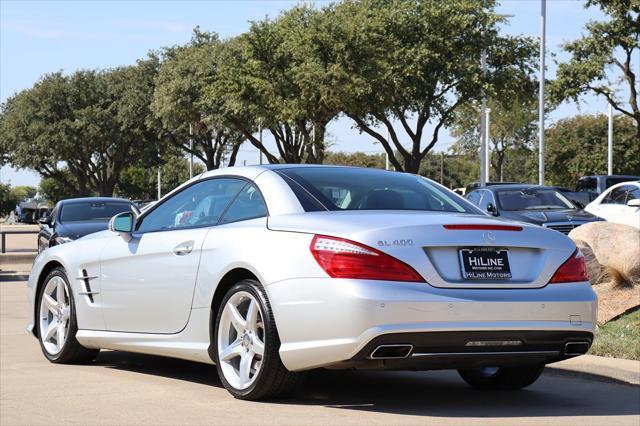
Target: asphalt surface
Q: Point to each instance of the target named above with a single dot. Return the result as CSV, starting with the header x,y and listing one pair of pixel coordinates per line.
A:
x,y
125,388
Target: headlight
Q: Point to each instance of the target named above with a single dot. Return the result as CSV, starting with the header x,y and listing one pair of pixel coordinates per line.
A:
x,y
61,240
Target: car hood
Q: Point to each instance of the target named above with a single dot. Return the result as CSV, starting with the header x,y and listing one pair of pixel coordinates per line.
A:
x,y
75,230
540,217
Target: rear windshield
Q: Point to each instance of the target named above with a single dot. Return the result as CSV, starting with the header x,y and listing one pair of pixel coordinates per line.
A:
x,y
100,211
338,188
533,199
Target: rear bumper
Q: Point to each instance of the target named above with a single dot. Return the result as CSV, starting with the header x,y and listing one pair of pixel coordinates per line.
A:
x,y
338,322
465,349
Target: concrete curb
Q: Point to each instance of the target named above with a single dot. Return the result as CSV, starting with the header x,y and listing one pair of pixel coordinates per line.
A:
x,y
615,369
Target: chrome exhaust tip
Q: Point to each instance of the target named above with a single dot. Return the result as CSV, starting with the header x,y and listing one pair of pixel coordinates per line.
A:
x,y
391,352
576,348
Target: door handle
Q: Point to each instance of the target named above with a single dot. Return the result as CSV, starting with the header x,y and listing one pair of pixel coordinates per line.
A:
x,y
183,249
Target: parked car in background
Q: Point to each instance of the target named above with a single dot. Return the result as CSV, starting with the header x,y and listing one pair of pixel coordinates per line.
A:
x,y
540,205
597,184
476,185
580,199
619,204
74,218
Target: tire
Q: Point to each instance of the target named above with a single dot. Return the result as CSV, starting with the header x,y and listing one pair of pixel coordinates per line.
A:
x,y
502,378
240,344
71,351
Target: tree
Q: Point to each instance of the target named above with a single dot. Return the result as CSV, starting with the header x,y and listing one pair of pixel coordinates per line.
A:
x,y
179,102
53,190
23,192
356,159
578,146
141,183
8,199
602,55
278,76
87,123
512,128
412,63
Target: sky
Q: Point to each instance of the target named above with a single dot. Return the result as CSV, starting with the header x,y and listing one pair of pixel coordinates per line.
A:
x,y
38,37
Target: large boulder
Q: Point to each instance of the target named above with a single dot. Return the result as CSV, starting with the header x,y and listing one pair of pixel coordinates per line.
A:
x,y
615,248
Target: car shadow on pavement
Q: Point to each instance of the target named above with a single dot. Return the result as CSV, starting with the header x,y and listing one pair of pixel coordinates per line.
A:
x,y
433,393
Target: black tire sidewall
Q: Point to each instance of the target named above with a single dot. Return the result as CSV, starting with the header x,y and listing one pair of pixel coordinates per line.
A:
x,y
271,339
61,356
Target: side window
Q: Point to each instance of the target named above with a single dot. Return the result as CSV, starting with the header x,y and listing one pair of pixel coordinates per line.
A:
x,y
487,198
199,205
617,196
474,197
587,185
249,204
633,194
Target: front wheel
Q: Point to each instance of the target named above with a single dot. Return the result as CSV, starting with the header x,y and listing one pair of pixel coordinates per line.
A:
x,y
247,343
57,324
501,378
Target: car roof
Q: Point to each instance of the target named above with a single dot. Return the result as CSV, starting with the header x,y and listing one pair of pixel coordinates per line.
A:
x,y
94,200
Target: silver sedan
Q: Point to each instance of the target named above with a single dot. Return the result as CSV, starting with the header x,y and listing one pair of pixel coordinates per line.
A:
x,y
268,271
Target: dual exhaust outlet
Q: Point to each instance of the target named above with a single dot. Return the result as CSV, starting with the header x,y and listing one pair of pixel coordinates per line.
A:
x,y
400,351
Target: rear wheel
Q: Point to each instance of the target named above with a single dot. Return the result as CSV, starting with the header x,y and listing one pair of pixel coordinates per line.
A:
x,y
501,378
247,344
57,324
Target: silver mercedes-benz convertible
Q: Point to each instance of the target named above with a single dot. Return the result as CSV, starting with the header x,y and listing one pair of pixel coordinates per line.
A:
x,y
268,271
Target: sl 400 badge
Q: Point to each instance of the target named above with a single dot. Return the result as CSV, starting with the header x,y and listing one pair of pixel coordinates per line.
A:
x,y
387,243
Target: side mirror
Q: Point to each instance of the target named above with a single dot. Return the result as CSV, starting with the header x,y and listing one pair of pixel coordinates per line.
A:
x,y
45,220
122,223
634,203
579,205
492,209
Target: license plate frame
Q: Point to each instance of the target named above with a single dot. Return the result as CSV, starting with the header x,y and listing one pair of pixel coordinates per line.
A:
x,y
484,264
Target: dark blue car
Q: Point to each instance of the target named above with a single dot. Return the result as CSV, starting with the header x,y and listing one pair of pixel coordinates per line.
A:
x,y
541,205
74,218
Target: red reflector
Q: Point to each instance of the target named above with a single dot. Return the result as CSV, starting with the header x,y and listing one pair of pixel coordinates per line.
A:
x,y
342,258
483,227
571,271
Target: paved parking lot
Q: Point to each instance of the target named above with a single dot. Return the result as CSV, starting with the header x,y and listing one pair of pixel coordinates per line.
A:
x,y
124,388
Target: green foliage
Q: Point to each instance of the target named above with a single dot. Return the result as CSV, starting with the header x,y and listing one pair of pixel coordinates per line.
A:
x,y
23,192
408,63
601,61
578,146
8,199
53,190
180,103
141,183
279,75
512,132
356,159
89,121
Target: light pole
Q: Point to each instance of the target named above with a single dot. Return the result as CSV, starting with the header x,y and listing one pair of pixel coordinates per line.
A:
x,y
487,154
543,16
610,142
159,177
260,131
483,135
190,151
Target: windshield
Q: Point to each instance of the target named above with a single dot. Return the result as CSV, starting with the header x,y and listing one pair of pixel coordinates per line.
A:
x,y
96,211
533,199
338,188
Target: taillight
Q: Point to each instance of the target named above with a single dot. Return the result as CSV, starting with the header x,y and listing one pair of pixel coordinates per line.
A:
x,y
342,258
571,271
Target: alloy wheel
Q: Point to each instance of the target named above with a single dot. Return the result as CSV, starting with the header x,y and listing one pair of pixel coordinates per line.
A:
x,y
55,312
241,340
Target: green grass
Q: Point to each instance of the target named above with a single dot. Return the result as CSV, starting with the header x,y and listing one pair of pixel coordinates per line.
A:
x,y
619,338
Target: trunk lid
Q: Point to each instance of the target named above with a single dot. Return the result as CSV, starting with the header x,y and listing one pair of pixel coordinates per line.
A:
x,y
421,240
